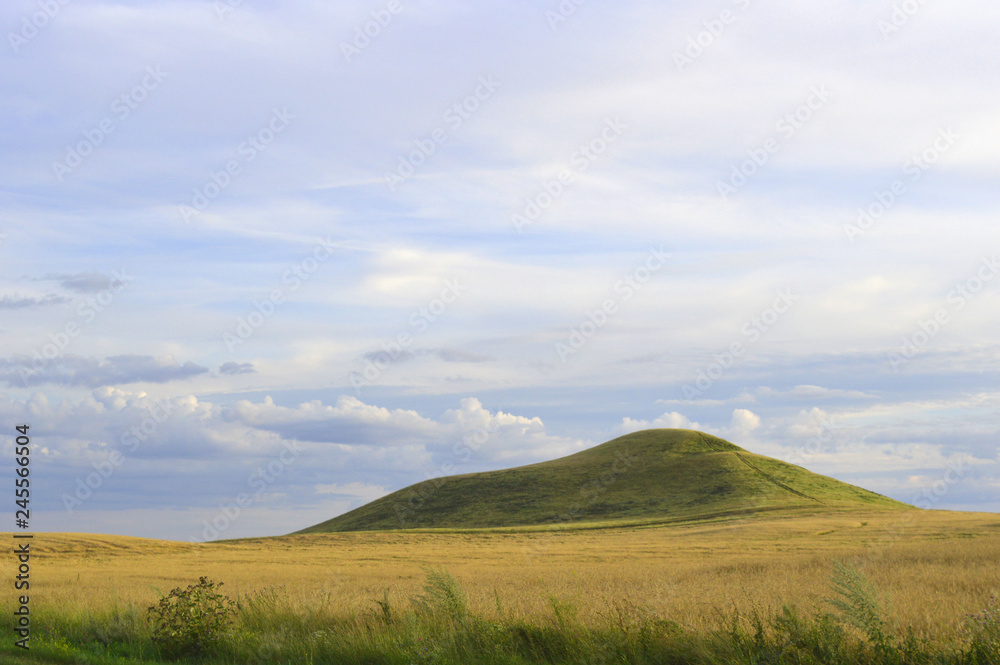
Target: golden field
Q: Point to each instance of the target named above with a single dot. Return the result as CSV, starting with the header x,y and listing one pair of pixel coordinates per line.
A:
x,y
934,567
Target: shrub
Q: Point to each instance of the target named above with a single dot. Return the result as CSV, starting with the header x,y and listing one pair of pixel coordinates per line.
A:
x,y
188,622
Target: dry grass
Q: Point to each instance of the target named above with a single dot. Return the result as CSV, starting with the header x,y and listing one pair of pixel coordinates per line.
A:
x,y
934,567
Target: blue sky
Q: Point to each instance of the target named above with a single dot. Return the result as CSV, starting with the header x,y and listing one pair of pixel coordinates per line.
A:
x,y
298,255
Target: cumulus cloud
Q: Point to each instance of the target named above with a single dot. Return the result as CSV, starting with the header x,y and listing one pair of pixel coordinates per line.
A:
x,y
521,294
351,421
808,424
670,420
744,420
505,437
311,450
184,454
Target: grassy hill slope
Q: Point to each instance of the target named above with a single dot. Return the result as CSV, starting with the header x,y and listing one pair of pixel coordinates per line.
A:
x,y
662,473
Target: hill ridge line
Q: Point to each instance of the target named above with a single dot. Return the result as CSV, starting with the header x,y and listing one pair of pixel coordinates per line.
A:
x,y
668,474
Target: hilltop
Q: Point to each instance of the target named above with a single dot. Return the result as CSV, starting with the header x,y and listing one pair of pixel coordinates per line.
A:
x,y
649,475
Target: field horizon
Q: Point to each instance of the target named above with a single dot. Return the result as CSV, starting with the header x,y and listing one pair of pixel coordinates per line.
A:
x,y
500,333
757,550
933,568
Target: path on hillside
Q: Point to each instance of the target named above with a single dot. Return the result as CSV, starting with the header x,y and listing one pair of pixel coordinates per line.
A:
x,y
776,482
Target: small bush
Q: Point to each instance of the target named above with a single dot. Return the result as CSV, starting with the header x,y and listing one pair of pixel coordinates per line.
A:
x,y
189,622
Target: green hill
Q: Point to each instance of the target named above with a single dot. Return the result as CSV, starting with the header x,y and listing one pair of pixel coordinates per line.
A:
x,y
649,475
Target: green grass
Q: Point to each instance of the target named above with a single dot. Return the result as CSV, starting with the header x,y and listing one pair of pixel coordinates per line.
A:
x,y
662,474
437,627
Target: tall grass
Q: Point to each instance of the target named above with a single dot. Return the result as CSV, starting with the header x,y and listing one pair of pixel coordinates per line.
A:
x,y
678,571
437,626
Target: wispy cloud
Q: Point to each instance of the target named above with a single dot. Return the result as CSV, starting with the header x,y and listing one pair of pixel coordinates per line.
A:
x,y
233,368
93,372
300,251
23,302
85,282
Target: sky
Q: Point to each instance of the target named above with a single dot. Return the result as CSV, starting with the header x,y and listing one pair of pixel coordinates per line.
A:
x,y
265,262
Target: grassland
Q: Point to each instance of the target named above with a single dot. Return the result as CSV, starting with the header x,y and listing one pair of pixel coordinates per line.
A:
x,y
664,546
529,590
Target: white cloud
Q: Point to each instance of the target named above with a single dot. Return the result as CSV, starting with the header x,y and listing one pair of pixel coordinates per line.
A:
x,y
807,392
670,420
808,424
744,420
188,454
524,293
